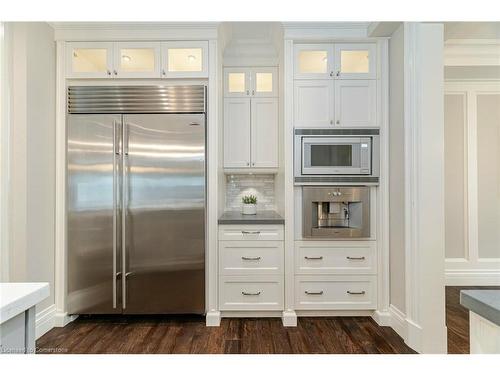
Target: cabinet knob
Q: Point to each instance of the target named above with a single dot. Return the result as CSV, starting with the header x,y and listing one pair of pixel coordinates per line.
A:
x,y
331,122
115,72
338,122
248,164
248,92
253,92
338,73
331,74
109,72
163,72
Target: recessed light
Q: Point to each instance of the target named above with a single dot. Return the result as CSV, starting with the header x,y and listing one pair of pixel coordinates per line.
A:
x,y
126,58
325,59
191,58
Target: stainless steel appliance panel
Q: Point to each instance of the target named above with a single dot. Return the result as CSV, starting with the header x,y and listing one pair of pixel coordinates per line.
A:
x,y
92,212
336,212
164,194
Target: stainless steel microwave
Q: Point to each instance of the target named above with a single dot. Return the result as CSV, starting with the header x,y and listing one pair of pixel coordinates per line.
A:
x,y
336,156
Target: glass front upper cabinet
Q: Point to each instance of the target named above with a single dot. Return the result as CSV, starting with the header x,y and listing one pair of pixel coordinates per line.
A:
x,y
355,61
185,59
237,82
264,82
89,60
137,60
313,61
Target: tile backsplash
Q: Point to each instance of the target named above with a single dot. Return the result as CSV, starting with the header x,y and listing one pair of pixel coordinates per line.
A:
x,y
260,185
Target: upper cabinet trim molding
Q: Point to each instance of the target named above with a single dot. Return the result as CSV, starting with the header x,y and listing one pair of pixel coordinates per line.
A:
x,y
134,31
471,52
324,30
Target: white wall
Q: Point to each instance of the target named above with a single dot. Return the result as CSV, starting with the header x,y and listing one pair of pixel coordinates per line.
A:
x,y
396,170
32,156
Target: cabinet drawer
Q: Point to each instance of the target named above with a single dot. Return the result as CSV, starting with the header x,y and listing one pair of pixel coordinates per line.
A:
x,y
251,232
251,257
335,292
249,293
341,258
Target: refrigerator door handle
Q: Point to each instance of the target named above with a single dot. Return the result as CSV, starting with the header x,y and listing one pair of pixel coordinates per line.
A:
x,y
125,139
115,224
124,197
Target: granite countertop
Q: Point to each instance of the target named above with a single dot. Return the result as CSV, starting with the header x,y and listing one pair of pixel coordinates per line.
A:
x,y
262,217
483,302
18,297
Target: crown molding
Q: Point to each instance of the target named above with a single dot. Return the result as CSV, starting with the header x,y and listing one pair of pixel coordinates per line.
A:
x,y
113,31
472,52
325,30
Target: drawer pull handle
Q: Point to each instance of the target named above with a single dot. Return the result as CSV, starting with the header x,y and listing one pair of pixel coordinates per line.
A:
x,y
250,258
362,292
250,294
314,258
314,293
250,232
356,258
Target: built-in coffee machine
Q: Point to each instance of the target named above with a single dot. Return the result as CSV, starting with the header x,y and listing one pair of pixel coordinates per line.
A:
x,y
336,212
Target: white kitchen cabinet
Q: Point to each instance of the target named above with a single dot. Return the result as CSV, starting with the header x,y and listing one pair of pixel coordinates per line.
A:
x,y
314,103
356,103
137,60
251,293
251,82
237,133
186,59
264,133
355,61
264,82
237,82
251,134
251,267
313,61
89,60
251,257
335,292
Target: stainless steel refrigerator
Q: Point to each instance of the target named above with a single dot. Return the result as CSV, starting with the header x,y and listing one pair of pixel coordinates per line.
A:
x,y
136,199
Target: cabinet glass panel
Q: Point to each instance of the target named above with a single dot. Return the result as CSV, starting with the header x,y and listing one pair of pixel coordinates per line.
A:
x,y
185,60
236,82
354,61
264,82
89,60
137,59
313,61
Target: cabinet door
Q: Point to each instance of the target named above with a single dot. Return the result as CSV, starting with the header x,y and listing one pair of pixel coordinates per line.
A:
x,y
184,59
355,61
314,105
89,60
236,132
264,130
237,82
137,60
264,82
313,61
355,103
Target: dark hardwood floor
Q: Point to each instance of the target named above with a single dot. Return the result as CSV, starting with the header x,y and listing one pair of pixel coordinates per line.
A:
x,y
457,320
188,334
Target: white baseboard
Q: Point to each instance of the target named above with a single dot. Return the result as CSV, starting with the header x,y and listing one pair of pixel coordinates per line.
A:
x,y
382,318
62,318
45,321
475,277
398,321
